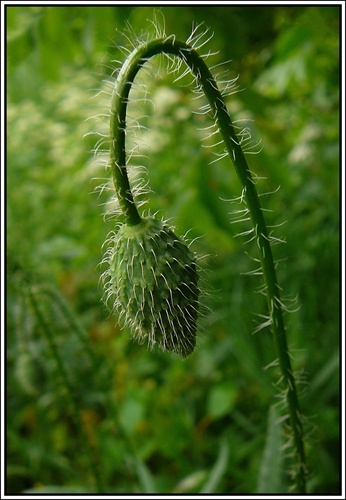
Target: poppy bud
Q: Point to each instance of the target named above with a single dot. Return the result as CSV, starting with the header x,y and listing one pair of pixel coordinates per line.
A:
x,y
154,280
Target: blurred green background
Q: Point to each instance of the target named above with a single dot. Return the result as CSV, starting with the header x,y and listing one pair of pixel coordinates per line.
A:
x,y
146,421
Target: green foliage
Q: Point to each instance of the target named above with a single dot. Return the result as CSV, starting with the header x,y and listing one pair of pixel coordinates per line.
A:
x,y
270,476
156,423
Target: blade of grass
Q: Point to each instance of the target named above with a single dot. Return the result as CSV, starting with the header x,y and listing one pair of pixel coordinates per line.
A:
x,y
145,477
218,470
270,474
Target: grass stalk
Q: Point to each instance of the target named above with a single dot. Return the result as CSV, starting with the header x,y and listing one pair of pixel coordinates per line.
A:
x,y
66,383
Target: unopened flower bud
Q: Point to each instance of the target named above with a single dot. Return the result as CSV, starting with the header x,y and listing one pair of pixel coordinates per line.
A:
x,y
154,279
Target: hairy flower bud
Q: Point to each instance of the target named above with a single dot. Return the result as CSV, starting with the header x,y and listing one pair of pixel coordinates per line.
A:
x,y
154,280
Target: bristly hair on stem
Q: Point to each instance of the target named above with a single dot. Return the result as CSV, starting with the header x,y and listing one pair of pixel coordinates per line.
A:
x,y
169,319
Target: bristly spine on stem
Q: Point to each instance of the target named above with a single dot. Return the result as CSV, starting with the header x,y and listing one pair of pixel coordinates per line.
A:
x,y
162,305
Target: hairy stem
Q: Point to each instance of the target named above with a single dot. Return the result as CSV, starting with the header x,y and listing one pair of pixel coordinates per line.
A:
x,y
118,162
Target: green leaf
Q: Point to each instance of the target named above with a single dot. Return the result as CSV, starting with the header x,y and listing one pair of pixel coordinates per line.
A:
x,y
270,475
131,413
221,400
145,478
218,470
62,490
328,372
191,482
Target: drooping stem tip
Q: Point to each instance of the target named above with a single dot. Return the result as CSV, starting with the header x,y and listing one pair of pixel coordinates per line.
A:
x,y
206,81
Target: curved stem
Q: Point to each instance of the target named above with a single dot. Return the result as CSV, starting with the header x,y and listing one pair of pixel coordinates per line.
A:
x,y
118,159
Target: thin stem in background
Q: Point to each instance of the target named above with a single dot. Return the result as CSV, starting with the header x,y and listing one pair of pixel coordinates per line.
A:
x,y
94,463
